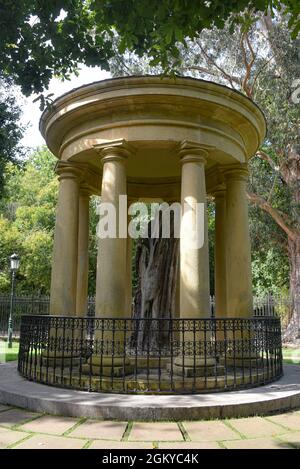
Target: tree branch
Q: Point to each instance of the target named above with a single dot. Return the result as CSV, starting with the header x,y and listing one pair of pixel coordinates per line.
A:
x,y
265,157
245,86
280,218
213,73
207,71
272,188
260,71
225,74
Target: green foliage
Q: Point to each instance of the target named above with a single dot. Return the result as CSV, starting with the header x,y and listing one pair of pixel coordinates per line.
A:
x,y
40,39
11,131
270,272
27,219
211,244
93,245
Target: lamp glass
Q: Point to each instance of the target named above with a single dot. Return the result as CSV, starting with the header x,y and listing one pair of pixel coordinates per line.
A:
x,y
14,262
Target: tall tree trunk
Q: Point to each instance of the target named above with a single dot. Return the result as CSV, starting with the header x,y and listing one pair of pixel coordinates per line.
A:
x,y
156,266
291,174
292,333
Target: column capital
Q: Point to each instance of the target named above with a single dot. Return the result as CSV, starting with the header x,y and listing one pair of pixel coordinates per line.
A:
x,y
236,172
131,200
219,193
68,170
193,152
85,191
115,150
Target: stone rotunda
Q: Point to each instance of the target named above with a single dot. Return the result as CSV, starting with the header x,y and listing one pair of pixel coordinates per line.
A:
x,y
152,138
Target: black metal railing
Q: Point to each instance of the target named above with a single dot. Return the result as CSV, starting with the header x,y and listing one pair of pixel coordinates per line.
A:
x,y
35,305
281,306
150,355
28,305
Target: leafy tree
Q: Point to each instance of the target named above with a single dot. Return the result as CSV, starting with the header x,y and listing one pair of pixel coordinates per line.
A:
x,y
11,132
9,243
93,245
40,39
27,219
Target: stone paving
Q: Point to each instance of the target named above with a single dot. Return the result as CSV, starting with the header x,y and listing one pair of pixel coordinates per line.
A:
x,y
21,429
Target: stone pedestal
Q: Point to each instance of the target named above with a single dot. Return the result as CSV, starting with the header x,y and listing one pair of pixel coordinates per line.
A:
x,y
193,367
108,366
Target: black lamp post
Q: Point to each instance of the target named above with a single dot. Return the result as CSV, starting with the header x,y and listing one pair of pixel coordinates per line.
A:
x,y
14,266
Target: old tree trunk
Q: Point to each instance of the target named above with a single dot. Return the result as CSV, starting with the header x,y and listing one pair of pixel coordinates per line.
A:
x,y
292,334
291,174
155,297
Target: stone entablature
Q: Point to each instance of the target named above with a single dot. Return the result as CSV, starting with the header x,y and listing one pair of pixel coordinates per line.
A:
x,y
154,115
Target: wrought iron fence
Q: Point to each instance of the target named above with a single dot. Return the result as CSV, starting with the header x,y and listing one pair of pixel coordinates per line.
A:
x,y
24,305
35,305
276,305
150,355
270,305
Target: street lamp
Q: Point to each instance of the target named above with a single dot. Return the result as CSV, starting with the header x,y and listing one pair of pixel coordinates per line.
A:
x,y
14,266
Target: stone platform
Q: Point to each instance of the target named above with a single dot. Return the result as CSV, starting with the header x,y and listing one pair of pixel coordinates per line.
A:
x,y
282,395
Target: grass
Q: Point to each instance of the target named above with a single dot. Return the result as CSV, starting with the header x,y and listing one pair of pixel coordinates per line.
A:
x,y
8,354
291,352
291,356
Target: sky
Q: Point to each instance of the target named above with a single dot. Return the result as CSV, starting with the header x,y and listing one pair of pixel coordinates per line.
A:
x,y
31,111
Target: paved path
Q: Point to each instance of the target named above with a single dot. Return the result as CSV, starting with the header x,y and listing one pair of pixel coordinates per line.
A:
x,y
24,429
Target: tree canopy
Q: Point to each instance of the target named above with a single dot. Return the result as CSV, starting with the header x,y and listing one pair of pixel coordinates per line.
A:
x,y
27,218
27,221
11,131
40,39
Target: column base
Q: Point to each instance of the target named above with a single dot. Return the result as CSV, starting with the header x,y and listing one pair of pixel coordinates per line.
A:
x,y
191,367
66,359
247,362
108,366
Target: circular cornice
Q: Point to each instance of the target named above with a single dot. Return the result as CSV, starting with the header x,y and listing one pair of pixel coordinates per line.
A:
x,y
153,92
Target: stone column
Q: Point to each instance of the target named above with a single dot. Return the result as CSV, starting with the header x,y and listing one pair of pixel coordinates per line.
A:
x,y
65,253
177,280
194,263
194,268
239,282
111,282
220,254
61,346
129,267
83,253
